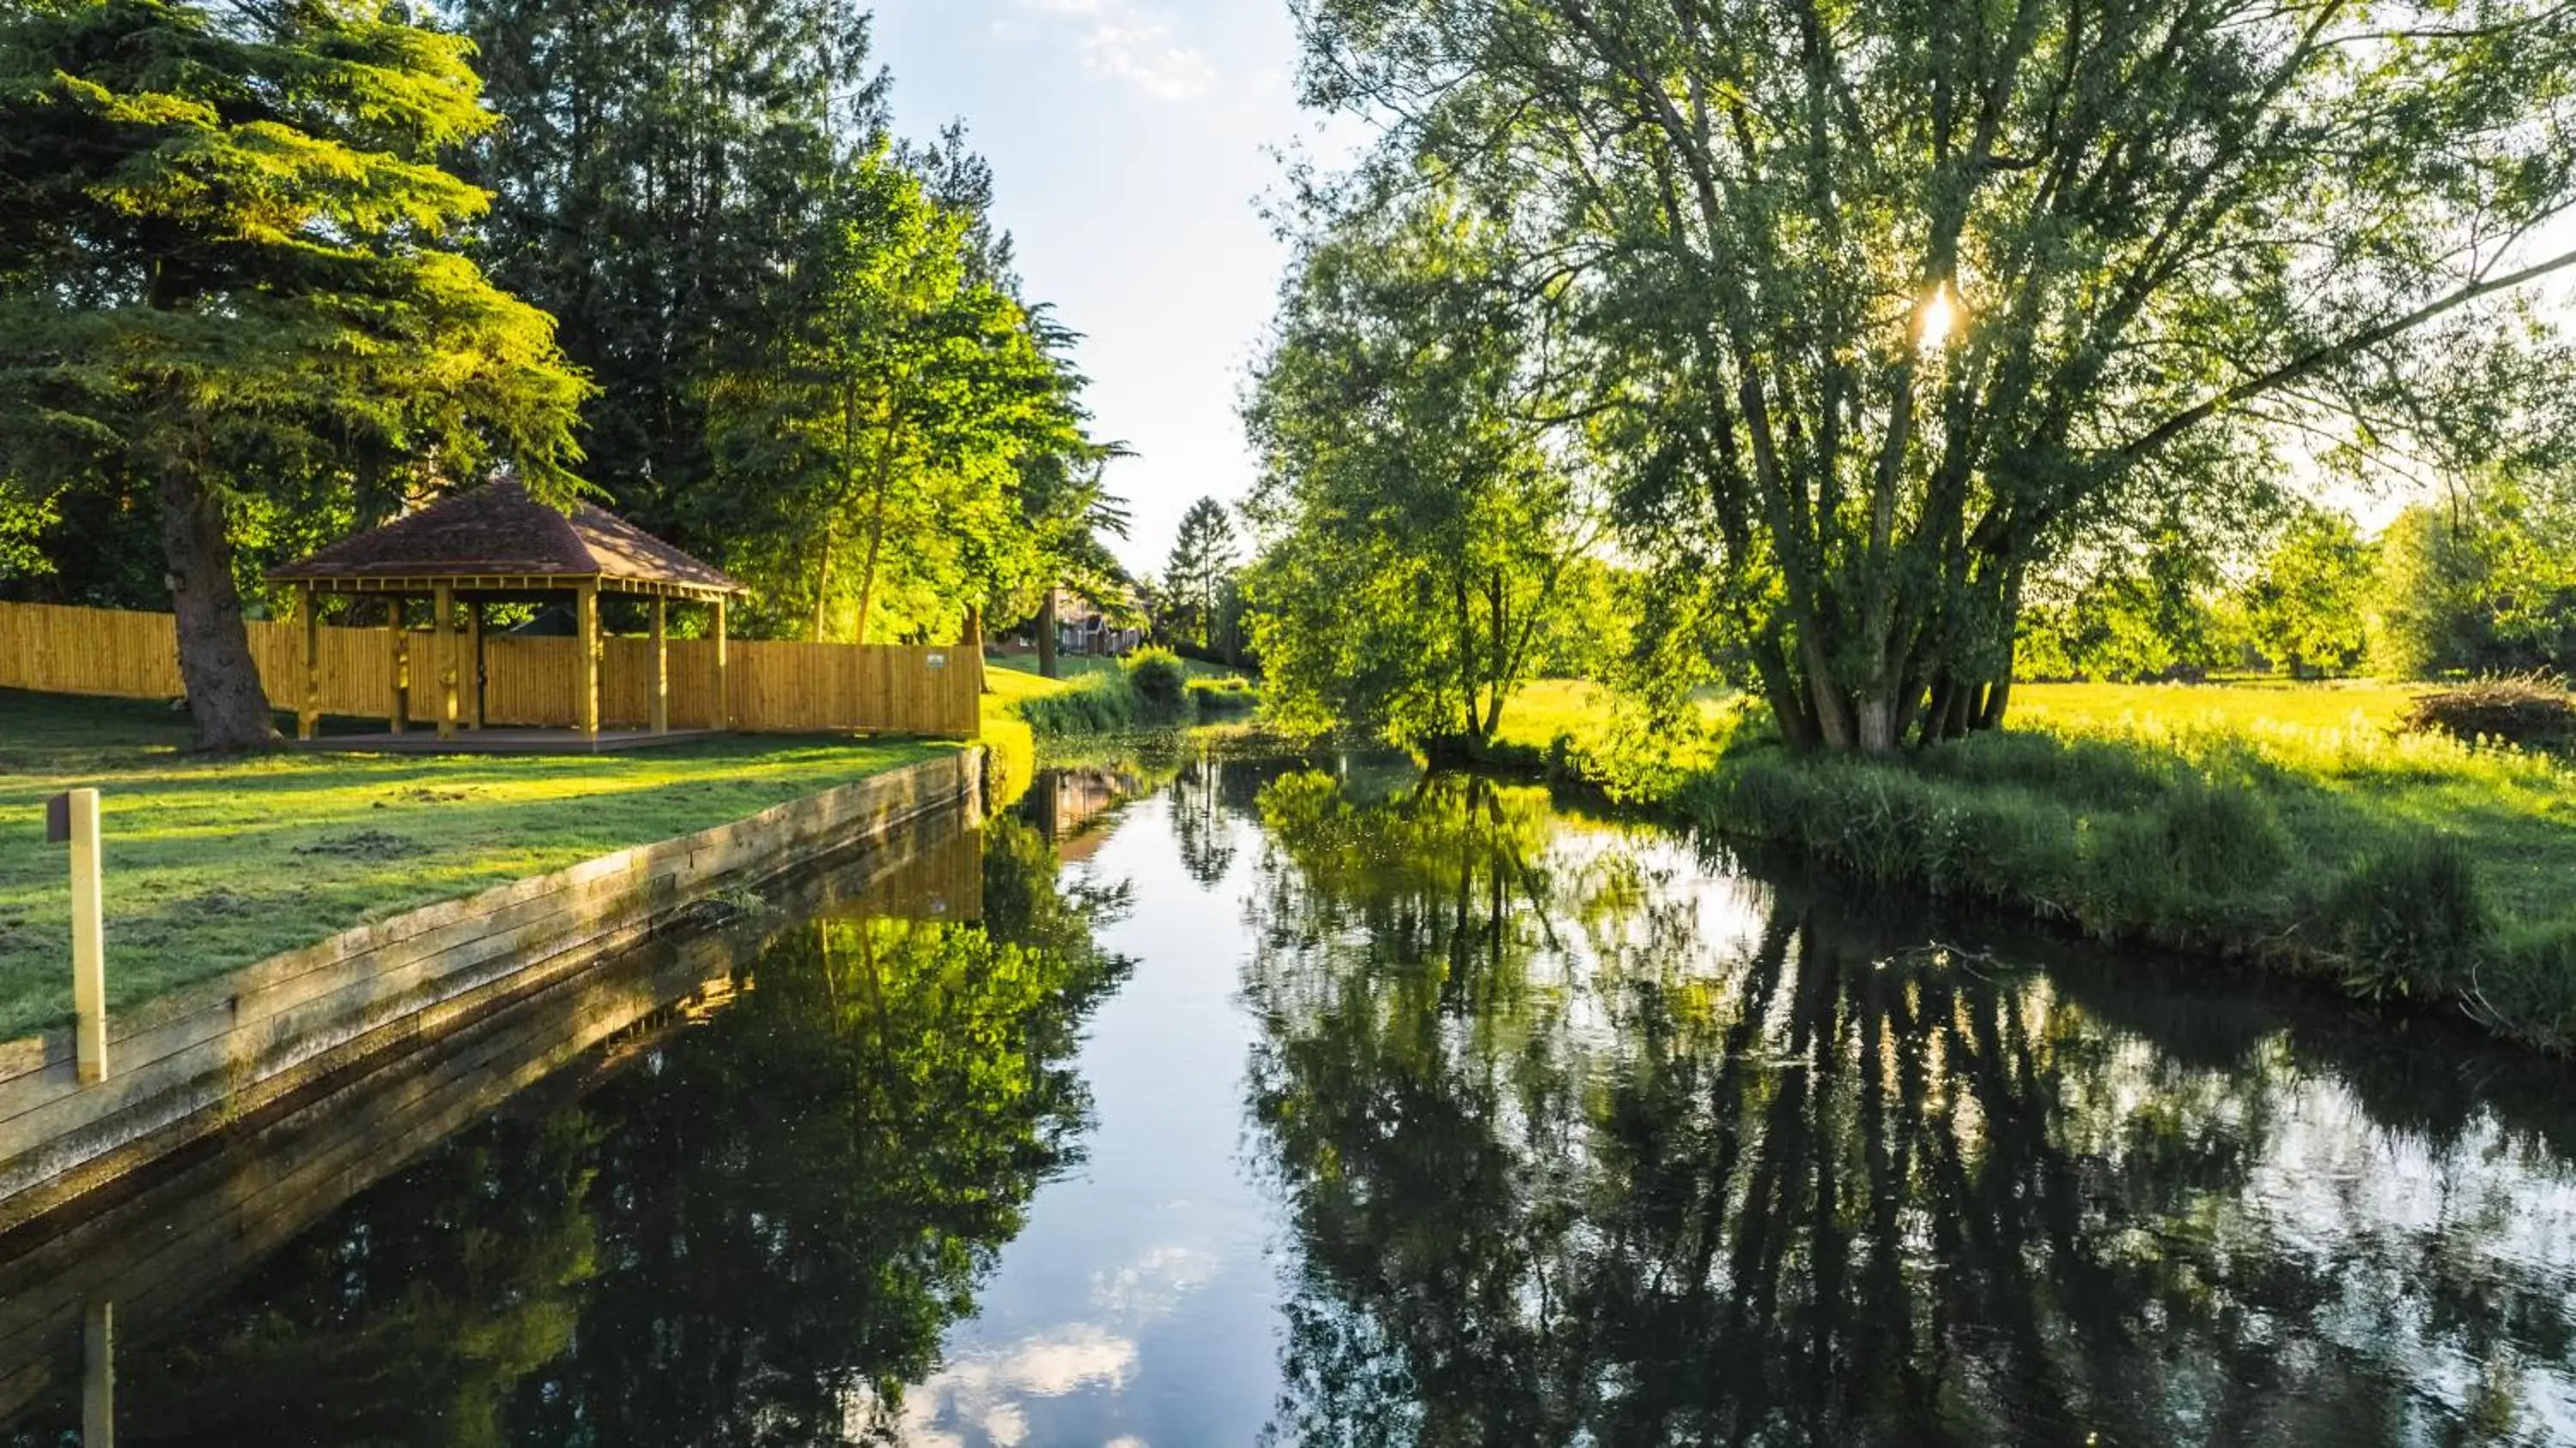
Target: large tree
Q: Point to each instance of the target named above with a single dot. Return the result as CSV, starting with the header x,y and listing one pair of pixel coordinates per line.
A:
x,y
228,268
1903,299
892,404
661,174
1416,513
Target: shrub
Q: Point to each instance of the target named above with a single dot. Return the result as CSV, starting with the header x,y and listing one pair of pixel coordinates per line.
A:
x,y
2411,920
2527,987
1097,704
1160,683
2533,711
1222,698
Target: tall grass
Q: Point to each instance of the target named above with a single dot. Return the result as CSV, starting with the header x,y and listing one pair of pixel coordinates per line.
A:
x,y
2416,866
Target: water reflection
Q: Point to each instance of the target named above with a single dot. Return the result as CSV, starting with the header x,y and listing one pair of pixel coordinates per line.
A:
x,y
1581,1143
1220,1101
757,1232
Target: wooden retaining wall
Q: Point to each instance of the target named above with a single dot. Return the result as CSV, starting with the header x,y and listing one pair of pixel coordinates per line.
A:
x,y
530,682
188,1063
194,1228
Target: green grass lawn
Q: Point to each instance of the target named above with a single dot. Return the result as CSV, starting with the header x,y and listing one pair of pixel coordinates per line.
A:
x,y
213,863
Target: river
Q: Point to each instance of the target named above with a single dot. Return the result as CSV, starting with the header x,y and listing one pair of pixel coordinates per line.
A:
x,y
1316,1102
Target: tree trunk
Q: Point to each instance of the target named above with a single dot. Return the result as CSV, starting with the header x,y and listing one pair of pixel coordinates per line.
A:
x,y
822,584
1046,635
215,662
876,515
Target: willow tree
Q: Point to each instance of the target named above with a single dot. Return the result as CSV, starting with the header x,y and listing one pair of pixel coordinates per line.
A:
x,y
1902,298
227,264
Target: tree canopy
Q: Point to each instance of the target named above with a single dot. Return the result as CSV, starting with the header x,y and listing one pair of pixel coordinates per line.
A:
x,y
1415,516
1892,305
230,270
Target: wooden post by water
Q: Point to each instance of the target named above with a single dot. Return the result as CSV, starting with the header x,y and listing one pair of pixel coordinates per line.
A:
x,y
308,714
443,631
586,703
724,700
661,665
89,943
98,1376
398,642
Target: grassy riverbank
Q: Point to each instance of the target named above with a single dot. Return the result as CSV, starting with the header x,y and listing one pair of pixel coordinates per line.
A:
x,y
2276,825
213,863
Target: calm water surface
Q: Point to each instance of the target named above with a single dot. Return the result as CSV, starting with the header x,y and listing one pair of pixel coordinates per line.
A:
x,y
1266,1103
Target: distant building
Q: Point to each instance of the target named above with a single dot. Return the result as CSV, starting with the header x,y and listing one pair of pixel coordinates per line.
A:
x,y
1081,627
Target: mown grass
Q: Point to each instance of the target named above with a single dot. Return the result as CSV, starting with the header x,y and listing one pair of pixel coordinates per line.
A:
x,y
2285,826
214,862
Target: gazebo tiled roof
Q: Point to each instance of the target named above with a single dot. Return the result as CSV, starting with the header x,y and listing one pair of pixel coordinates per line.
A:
x,y
498,538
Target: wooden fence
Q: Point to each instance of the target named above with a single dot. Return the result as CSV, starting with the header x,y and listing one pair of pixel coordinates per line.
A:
x,y
529,682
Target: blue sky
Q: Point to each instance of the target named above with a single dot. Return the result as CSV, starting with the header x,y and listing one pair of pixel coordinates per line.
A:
x,y
1131,141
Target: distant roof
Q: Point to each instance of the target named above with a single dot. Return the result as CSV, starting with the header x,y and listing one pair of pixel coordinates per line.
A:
x,y
500,535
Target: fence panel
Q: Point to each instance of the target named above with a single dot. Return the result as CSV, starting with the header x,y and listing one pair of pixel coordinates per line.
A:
x,y
530,681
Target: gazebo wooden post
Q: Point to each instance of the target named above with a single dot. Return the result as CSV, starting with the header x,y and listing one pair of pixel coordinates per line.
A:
x,y
308,710
724,699
586,703
661,665
443,648
474,658
398,645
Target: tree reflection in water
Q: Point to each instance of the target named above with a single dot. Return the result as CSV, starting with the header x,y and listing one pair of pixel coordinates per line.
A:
x,y
1582,1144
755,1234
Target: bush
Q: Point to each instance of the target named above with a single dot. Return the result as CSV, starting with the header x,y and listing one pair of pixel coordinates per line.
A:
x,y
1230,698
2527,986
1160,684
1096,704
2411,920
2532,711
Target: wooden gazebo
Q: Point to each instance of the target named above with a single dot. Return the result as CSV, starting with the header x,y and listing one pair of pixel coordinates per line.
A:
x,y
497,544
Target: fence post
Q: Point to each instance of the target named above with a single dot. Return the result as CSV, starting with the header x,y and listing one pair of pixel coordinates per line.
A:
x,y
308,719
98,1375
89,943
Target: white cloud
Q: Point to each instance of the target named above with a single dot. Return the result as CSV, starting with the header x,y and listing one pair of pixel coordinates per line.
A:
x,y
1122,42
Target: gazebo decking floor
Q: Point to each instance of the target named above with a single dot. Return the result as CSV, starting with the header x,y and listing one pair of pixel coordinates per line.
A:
x,y
504,741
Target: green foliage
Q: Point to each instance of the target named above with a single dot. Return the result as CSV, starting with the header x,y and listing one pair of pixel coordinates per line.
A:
x,y
660,175
1877,337
2305,609
1199,578
2309,852
2411,919
2143,612
1414,525
1094,704
1228,698
2484,584
1160,684
229,272
880,430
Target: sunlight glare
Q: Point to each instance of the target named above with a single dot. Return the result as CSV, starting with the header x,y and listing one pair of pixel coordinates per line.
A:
x,y
1932,324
